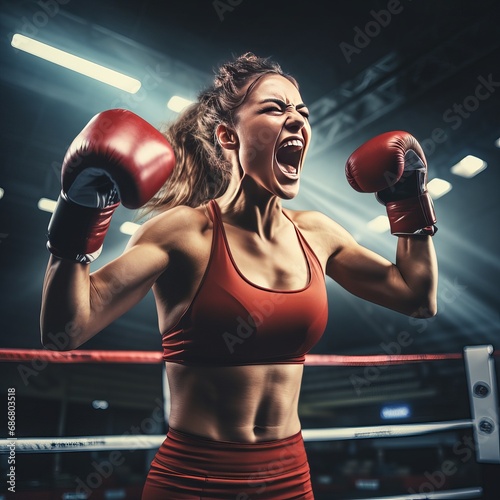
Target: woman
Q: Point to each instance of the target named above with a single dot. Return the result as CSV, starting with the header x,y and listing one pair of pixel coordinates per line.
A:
x,y
239,284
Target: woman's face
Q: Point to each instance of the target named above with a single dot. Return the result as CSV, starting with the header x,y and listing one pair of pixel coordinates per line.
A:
x,y
273,134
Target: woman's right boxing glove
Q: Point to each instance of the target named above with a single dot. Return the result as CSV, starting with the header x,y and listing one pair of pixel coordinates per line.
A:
x,y
117,157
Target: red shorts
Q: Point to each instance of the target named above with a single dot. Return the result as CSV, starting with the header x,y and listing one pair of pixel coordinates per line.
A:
x,y
189,467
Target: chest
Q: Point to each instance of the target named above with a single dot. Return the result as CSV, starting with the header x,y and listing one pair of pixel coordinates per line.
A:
x,y
262,307
278,264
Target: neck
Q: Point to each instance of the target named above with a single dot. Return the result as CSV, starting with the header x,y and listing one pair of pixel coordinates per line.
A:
x,y
247,205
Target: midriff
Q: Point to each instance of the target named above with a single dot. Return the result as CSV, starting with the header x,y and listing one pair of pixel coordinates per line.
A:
x,y
247,403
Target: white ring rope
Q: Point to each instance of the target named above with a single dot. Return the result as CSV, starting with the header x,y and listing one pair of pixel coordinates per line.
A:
x,y
145,441
381,431
461,493
87,443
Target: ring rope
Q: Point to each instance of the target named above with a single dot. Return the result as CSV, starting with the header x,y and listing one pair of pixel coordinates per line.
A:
x,y
143,442
100,443
152,357
461,493
81,356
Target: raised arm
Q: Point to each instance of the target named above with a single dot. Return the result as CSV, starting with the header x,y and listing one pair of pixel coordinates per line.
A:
x,y
408,286
117,157
77,304
393,166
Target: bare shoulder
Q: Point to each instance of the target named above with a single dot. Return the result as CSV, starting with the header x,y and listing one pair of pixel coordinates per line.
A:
x,y
309,219
316,222
325,235
174,229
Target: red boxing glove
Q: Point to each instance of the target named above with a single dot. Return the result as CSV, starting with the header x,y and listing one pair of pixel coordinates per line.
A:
x,y
393,166
117,157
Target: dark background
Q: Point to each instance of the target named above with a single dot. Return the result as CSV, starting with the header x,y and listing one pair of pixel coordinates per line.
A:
x,y
417,69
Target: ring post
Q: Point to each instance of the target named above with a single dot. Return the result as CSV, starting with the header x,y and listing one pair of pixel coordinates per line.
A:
x,y
483,397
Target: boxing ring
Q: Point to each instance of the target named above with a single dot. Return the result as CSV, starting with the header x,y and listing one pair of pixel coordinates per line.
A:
x,y
481,389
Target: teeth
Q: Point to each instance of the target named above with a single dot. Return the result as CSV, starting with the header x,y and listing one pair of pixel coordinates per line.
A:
x,y
292,142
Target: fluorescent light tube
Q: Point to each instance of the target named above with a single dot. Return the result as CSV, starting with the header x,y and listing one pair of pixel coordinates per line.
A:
x,y
129,228
380,224
469,166
177,104
76,63
438,187
47,205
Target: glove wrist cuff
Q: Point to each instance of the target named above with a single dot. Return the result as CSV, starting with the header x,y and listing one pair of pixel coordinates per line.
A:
x,y
76,232
412,216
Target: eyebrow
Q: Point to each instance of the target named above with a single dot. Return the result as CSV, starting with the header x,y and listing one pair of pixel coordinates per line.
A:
x,y
276,100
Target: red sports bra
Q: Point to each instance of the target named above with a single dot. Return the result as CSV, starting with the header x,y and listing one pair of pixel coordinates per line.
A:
x,y
232,321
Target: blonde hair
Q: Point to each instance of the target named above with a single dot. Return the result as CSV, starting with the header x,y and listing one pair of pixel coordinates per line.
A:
x,y
201,171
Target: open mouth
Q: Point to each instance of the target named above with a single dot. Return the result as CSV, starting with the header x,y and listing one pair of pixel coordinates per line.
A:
x,y
288,157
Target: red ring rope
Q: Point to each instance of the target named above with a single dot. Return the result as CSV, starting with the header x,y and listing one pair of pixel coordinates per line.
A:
x,y
152,357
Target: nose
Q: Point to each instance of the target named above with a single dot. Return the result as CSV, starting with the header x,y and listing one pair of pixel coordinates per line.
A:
x,y
295,121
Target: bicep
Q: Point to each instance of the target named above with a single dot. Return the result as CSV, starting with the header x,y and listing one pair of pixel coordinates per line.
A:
x,y
358,269
400,286
119,285
81,304
368,275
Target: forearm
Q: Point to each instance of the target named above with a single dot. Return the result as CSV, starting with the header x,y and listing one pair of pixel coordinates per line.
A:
x,y
417,263
65,309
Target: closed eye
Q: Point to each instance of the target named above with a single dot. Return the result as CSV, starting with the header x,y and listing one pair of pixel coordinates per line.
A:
x,y
304,113
273,109
280,107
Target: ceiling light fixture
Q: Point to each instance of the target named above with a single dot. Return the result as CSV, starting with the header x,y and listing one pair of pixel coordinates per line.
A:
x,y
129,228
438,187
47,205
177,104
469,166
379,225
75,63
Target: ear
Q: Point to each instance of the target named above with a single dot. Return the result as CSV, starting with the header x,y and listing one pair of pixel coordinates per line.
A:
x,y
227,138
